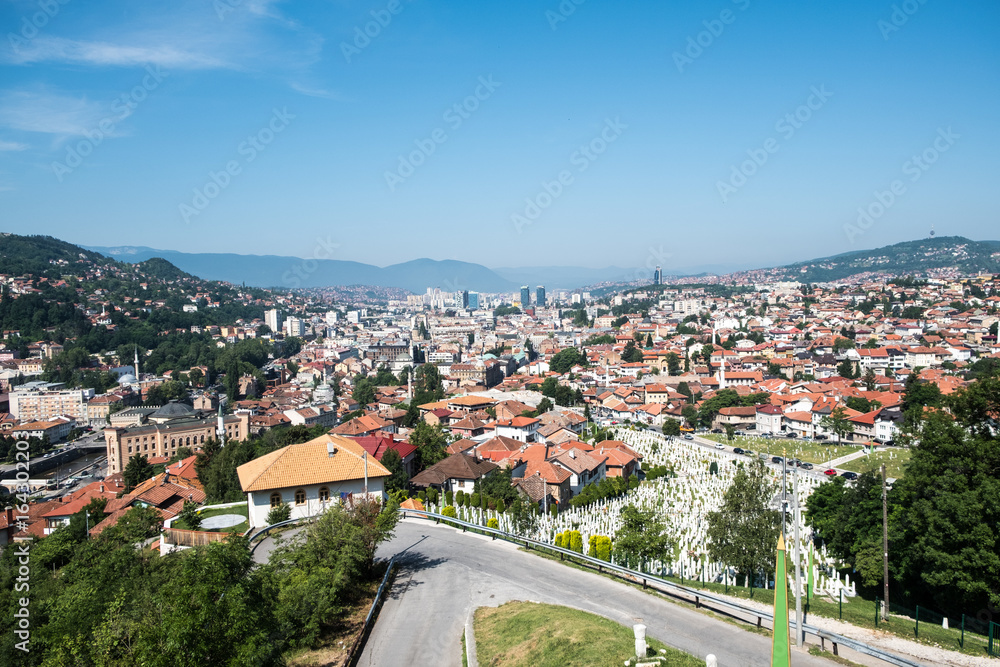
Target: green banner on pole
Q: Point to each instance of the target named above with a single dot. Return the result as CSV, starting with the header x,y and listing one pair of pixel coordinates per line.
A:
x,y
781,648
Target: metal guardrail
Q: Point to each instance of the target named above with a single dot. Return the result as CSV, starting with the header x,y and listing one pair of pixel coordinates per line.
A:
x,y
699,597
359,643
265,531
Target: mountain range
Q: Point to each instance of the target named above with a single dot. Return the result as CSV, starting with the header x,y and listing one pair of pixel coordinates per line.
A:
x,y
908,257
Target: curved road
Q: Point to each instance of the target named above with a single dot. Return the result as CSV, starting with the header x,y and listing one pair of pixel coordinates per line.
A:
x,y
445,574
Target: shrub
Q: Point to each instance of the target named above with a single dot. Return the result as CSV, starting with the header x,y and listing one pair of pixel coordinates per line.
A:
x,y
279,513
603,547
459,498
476,499
422,496
501,506
559,539
592,546
554,509
449,497
576,541
492,523
432,495
449,511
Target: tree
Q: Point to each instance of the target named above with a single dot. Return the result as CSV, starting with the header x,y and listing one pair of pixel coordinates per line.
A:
x,y
671,427
838,422
319,569
430,442
743,533
632,354
189,514
869,380
845,369
544,406
398,479
649,341
137,470
673,364
364,392
642,537
384,377
730,432
562,361
774,369
947,506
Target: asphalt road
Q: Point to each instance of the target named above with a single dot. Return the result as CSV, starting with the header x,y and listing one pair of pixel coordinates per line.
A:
x,y
445,574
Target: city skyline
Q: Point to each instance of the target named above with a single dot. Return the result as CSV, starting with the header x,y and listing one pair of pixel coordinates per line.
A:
x,y
201,128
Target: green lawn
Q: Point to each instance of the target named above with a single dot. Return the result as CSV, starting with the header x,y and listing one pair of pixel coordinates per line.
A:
x,y
527,634
813,452
895,459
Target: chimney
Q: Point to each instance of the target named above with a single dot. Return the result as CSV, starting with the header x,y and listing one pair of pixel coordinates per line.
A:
x,y
102,488
572,453
330,450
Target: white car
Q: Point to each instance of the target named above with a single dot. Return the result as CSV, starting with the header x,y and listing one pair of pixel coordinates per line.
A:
x,y
719,445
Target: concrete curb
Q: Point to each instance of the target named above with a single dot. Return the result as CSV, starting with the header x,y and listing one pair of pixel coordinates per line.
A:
x,y
470,641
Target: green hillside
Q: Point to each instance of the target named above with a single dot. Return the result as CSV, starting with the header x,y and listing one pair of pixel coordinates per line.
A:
x,y
910,257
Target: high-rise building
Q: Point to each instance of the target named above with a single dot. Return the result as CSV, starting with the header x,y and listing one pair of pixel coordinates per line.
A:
x,y
272,318
525,296
465,298
657,276
295,326
473,303
575,298
540,296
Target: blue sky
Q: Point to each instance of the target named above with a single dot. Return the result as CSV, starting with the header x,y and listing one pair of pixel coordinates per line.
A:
x,y
281,128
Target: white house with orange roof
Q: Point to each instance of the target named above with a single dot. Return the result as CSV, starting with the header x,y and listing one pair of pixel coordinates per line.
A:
x,y
309,477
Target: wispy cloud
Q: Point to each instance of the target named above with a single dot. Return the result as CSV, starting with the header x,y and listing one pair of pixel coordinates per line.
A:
x,y
57,49
12,146
50,113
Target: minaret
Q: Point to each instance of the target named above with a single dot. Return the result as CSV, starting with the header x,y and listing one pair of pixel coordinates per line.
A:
x,y
220,430
136,362
722,363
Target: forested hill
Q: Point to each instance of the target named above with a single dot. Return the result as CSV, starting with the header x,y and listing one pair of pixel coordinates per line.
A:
x,y
44,256
960,254
54,291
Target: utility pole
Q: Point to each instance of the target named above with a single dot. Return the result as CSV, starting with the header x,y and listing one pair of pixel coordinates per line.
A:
x,y
885,548
798,561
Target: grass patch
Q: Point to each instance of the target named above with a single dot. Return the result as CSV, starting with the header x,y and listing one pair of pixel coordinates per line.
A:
x,y
815,452
895,459
541,635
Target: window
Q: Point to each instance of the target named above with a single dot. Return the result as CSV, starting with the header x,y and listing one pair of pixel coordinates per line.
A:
x,y
300,497
275,499
324,494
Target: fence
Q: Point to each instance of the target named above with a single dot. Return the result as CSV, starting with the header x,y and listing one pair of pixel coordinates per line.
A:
x,y
700,598
190,538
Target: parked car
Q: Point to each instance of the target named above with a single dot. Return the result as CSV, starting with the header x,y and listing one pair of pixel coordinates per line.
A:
x,y
748,452
719,445
830,472
688,436
716,430
806,465
775,459
821,437
849,475
790,434
737,450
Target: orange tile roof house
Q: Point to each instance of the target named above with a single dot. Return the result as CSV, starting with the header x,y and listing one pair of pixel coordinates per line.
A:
x,y
309,477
